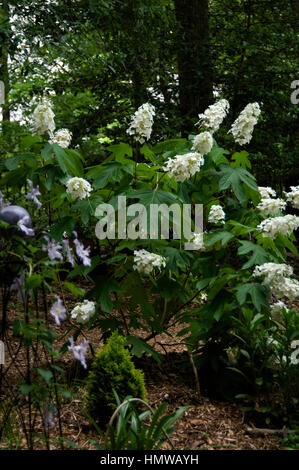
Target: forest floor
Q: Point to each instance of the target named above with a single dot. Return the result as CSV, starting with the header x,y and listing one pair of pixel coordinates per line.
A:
x,y
208,423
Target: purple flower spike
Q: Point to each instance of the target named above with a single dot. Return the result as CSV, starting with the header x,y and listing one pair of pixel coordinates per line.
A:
x,y
82,253
79,351
33,193
58,311
53,249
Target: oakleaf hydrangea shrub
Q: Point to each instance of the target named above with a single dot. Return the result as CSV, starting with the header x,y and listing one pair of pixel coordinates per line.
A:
x,y
112,369
238,264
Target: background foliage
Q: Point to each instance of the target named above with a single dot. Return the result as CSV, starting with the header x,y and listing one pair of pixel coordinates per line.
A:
x,y
104,59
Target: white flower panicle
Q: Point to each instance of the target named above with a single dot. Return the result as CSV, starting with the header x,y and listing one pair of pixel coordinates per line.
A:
x,y
266,192
293,196
277,278
142,123
43,118
145,262
213,116
78,188
203,143
289,289
284,224
61,137
269,206
216,215
182,167
83,311
273,272
243,126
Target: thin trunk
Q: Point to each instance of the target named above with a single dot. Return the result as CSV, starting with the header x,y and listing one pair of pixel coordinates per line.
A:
x,y
4,74
242,62
139,88
194,60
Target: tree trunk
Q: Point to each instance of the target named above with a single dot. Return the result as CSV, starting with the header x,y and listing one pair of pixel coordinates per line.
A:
x,y
139,88
194,61
4,74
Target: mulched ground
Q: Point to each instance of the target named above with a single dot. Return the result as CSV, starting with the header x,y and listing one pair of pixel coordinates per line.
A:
x,y
208,424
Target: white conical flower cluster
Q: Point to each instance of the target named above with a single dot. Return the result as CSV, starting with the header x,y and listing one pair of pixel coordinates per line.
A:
x,y
243,126
142,122
277,278
266,192
61,137
273,272
213,116
293,196
269,206
273,226
78,188
182,167
43,118
203,143
216,215
145,262
83,311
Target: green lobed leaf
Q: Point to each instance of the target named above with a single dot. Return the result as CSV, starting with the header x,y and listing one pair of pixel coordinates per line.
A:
x,y
140,346
69,161
257,293
259,255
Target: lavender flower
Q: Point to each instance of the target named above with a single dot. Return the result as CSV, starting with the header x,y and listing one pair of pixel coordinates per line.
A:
x,y
69,254
81,252
53,249
79,351
33,193
58,311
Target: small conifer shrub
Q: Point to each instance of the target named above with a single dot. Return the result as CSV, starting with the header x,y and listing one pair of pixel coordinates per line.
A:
x,y
112,368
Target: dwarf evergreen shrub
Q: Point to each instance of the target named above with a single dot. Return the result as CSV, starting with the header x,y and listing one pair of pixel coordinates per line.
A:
x,y
111,369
